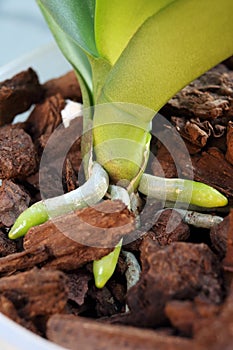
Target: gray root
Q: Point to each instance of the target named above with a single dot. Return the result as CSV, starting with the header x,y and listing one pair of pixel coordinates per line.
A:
x,y
133,271
199,219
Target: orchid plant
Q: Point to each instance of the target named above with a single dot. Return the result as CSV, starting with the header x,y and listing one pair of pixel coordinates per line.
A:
x,y
131,57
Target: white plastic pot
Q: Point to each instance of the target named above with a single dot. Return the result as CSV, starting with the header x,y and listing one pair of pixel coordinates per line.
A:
x,y
49,63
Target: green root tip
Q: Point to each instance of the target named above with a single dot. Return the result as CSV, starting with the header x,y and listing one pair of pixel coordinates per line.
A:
x,y
206,196
100,282
33,216
104,268
17,231
181,190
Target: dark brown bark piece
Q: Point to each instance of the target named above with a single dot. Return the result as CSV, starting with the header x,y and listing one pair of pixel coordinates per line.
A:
x,y
118,291
33,187
83,236
75,131
218,80
179,271
174,156
79,333
33,181
8,309
36,292
17,153
163,165
218,335
104,302
169,228
188,316
110,300
18,94
63,144
228,260
182,315
208,97
45,118
195,132
229,62
6,245
212,169
78,286
14,200
67,85
23,260
229,153
219,235
69,178
202,110
194,102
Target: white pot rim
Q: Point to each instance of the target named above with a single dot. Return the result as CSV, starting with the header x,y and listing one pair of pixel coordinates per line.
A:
x,y
16,337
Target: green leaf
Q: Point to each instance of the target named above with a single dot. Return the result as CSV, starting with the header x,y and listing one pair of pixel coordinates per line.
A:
x,y
74,55
116,21
79,60
171,48
76,19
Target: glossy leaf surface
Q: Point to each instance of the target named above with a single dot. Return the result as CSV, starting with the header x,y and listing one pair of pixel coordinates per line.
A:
x,y
73,52
76,19
117,21
171,48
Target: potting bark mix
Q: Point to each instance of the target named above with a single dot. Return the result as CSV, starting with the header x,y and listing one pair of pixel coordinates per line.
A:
x,y
184,296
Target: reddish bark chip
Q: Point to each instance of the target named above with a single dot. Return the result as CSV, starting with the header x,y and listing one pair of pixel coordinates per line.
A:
x,y
36,292
8,309
212,169
208,97
163,165
218,334
67,85
170,228
228,260
14,200
18,94
17,153
78,333
78,286
45,117
188,317
219,235
6,245
74,239
229,154
178,271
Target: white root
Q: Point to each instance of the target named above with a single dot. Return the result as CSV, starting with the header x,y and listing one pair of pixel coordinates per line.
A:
x,y
199,219
90,193
117,192
133,271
